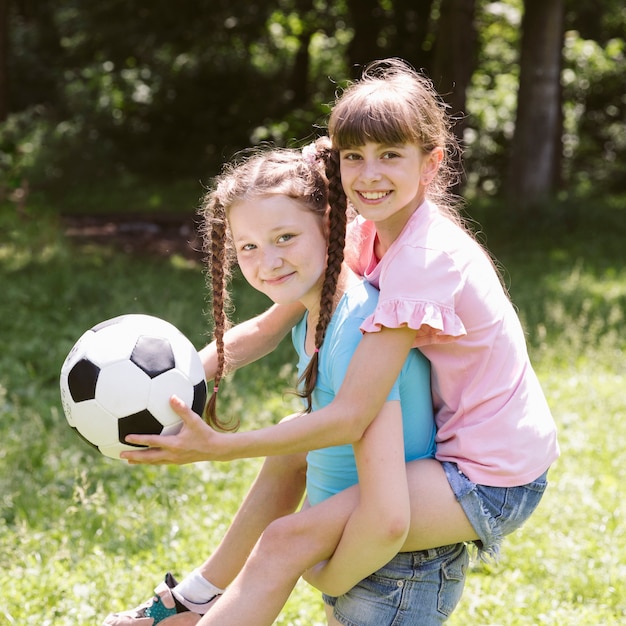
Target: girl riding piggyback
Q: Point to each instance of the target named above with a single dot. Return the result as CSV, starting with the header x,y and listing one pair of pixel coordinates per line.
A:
x,y
440,292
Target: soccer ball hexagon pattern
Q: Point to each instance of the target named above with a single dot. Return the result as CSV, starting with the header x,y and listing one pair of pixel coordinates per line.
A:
x,y
119,376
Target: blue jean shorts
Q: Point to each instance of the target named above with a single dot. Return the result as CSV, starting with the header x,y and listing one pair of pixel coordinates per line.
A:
x,y
420,587
494,512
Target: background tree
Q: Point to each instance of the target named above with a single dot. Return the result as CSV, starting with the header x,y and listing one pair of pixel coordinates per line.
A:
x,y
129,91
412,32
4,52
536,145
455,57
301,64
593,102
366,17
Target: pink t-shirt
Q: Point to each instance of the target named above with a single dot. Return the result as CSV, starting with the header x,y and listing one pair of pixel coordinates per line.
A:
x,y
492,416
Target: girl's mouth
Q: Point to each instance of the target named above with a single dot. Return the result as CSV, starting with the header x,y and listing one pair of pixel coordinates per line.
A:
x,y
278,280
373,195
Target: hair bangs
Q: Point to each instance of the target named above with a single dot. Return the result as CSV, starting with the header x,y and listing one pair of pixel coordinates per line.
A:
x,y
376,117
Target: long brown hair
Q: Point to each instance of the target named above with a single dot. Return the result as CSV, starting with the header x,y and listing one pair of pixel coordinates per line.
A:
x,y
394,104
268,172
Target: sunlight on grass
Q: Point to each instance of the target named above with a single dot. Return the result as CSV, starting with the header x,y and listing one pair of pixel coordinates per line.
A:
x,y
81,535
566,565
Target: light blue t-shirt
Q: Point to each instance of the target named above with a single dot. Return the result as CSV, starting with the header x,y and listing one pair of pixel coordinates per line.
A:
x,y
331,470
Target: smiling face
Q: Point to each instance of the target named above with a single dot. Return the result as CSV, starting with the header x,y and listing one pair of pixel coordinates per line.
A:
x,y
281,248
386,183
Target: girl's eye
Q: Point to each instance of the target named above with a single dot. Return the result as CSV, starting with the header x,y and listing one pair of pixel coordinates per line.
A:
x,y
285,238
391,155
350,156
247,247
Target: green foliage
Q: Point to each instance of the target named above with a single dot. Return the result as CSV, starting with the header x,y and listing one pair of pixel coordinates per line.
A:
x,y
595,122
53,155
594,113
88,529
162,90
492,97
568,279
165,90
81,535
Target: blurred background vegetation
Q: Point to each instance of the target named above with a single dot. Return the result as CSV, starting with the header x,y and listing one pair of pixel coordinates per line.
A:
x,y
128,107
112,96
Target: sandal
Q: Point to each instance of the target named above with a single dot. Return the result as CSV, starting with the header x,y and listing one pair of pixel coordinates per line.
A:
x,y
164,608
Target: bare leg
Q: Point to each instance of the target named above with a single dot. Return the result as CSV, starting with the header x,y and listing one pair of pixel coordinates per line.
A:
x,y
287,547
330,618
277,490
291,545
437,519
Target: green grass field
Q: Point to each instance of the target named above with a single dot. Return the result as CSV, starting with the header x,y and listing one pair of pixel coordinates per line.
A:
x,y
81,535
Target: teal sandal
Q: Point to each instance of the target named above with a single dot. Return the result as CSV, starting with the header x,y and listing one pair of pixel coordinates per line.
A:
x,y
164,608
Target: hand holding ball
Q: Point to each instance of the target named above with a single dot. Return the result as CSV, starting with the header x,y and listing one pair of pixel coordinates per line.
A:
x,y
118,378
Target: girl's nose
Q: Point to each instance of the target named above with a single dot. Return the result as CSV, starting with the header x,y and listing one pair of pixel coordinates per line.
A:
x,y
370,171
271,260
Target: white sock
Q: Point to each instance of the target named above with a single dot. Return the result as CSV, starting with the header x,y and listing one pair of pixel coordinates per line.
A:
x,y
196,588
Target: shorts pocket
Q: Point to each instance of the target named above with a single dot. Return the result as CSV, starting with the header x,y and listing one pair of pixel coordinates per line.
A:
x,y
453,573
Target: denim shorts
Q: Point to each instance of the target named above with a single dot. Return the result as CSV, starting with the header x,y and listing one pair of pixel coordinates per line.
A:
x,y
494,512
420,587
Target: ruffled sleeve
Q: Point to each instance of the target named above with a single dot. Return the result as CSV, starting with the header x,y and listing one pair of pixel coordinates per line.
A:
x,y
433,323
419,282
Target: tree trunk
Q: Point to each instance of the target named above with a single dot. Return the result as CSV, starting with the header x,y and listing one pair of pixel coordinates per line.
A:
x,y
412,27
4,59
366,17
455,57
536,145
299,79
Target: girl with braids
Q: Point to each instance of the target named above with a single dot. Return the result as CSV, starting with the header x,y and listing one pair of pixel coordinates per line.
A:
x,y
439,291
271,213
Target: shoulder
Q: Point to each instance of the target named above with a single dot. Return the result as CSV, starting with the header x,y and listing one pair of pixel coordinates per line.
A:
x,y
430,229
298,333
356,305
432,243
358,301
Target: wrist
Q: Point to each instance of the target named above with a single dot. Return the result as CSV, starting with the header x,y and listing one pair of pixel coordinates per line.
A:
x,y
225,446
208,356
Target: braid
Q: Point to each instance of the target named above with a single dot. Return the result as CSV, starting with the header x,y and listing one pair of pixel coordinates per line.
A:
x,y
261,173
219,264
336,241
336,195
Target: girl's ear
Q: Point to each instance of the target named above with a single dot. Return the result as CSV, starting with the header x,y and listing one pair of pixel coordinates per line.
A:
x,y
326,222
431,164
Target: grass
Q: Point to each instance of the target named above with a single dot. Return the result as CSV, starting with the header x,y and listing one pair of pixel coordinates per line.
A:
x,y
125,194
81,535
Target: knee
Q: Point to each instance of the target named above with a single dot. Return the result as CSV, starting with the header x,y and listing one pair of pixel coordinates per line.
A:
x,y
282,536
293,465
285,529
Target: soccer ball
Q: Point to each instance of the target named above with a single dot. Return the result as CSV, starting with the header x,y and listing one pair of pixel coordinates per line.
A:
x,y
119,376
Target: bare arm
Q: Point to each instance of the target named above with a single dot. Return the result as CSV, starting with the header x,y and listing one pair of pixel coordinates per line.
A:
x,y
377,528
365,530
254,338
373,369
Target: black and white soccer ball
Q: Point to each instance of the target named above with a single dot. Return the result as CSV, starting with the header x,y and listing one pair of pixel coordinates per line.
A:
x,y
118,378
